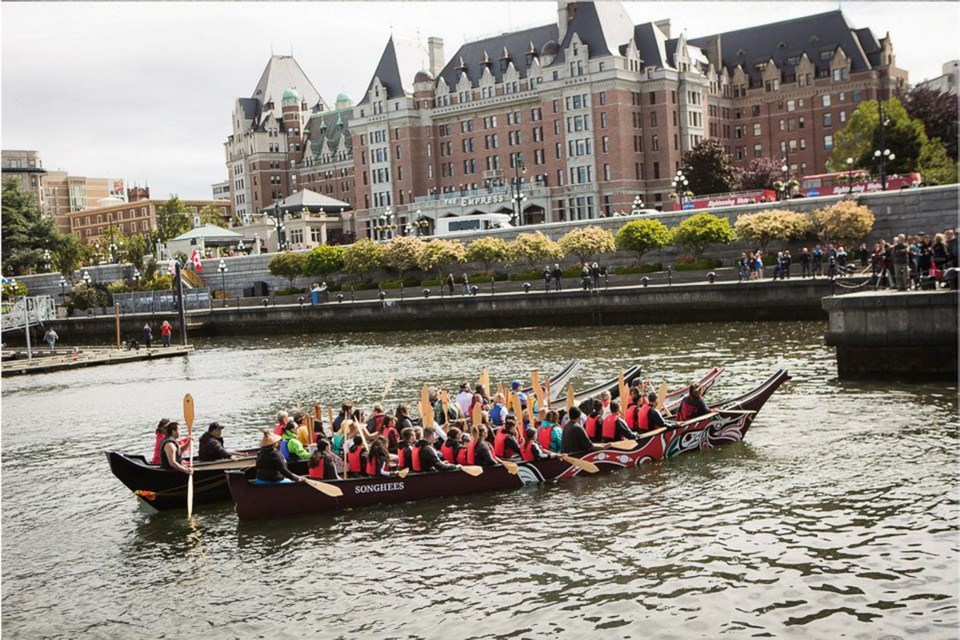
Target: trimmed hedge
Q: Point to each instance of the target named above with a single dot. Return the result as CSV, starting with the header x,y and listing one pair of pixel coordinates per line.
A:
x,y
709,263
644,268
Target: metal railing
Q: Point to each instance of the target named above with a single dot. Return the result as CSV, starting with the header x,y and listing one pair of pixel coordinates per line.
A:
x,y
162,301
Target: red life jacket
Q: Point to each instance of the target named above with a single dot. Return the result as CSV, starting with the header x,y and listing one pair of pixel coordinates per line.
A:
x,y
630,415
544,436
372,465
686,410
610,426
448,452
402,462
643,417
472,453
317,471
526,451
591,427
378,421
415,459
355,459
499,443
462,454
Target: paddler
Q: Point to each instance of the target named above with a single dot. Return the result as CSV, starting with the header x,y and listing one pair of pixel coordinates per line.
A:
x,y
614,428
291,448
271,467
532,449
505,443
575,438
322,465
692,405
170,457
426,458
211,445
549,435
649,416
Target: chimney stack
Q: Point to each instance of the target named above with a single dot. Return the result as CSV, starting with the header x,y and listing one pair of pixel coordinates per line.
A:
x,y
435,50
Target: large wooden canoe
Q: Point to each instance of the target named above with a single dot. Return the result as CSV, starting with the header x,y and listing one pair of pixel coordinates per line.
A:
x,y
729,425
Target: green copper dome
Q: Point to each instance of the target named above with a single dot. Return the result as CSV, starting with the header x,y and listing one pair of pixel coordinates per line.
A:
x,y
343,98
290,94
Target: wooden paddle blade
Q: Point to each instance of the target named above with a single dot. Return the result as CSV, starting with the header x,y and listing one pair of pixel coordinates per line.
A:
x,y
744,411
485,379
311,429
317,413
571,398
472,470
477,414
445,403
622,390
330,417
661,394
227,465
188,410
624,445
512,467
547,396
535,384
403,473
325,488
584,465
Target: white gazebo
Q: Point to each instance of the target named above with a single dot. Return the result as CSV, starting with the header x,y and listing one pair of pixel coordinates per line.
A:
x,y
204,237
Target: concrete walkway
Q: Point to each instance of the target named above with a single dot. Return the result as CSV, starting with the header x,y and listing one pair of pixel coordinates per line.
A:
x,y
16,362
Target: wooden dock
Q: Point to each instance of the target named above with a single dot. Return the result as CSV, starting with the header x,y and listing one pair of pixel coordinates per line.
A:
x,y
16,362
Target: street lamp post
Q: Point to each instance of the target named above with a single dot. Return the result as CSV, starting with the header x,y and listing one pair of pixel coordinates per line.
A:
x,y
63,290
637,205
222,268
388,215
680,184
278,220
136,279
883,157
46,260
849,162
86,278
518,196
240,247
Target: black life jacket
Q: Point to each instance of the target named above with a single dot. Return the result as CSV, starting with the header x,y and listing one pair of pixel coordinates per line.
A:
x,y
164,462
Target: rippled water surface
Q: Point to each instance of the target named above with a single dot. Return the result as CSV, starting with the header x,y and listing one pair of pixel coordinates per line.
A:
x,y
836,518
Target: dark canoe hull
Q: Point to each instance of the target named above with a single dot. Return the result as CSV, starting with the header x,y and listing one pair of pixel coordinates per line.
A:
x,y
259,502
671,401
164,490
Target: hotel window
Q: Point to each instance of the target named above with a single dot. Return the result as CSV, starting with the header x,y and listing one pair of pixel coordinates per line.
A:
x,y
828,142
603,97
828,120
826,100
757,151
655,143
606,172
756,129
603,120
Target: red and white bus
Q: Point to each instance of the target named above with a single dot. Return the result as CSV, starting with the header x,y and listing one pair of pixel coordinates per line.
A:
x,y
727,199
858,182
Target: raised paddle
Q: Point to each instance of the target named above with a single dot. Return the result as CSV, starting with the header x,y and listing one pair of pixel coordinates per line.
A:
x,y
535,384
589,467
317,416
426,411
325,488
571,398
546,393
661,395
472,470
485,380
445,403
188,418
622,391
476,416
387,388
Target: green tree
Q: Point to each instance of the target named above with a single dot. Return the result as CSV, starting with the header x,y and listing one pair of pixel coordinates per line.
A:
x,y
403,253
135,249
935,164
488,250
26,232
362,257
212,214
70,255
843,222
534,247
640,236
587,242
698,232
765,226
288,264
937,111
439,253
173,219
708,168
324,260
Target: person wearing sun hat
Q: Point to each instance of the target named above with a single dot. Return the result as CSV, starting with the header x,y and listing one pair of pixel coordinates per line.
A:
x,y
271,467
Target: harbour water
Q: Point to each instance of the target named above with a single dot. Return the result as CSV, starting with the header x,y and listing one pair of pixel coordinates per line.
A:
x,y
836,518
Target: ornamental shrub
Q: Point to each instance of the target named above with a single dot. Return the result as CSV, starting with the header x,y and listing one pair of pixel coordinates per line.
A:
x,y
587,242
843,222
765,226
698,232
640,236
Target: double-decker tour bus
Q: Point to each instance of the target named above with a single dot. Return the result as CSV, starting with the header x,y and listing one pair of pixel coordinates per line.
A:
x,y
726,199
844,182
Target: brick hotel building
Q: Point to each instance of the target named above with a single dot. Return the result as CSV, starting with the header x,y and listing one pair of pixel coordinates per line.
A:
x,y
598,109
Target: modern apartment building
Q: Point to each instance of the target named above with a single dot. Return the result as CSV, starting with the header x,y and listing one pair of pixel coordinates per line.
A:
x,y
947,81
585,113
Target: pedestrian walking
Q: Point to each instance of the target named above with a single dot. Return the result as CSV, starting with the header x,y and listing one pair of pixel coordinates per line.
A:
x,y
51,337
466,285
147,334
165,331
557,278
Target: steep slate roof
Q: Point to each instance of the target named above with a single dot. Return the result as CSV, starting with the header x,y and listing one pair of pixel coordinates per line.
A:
x,y
517,44
602,26
761,43
399,63
323,126
280,74
651,45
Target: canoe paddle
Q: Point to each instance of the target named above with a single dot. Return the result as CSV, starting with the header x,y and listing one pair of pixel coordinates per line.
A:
x,y
697,419
325,488
227,465
188,418
477,414
426,411
571,398
512,467
589,467
623,445
472,470
403,473
387,388
445,403
661,395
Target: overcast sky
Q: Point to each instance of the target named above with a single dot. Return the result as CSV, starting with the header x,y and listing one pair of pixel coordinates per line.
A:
x,y
144,91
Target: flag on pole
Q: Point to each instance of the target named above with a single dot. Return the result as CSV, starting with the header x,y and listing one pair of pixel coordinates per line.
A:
x,y
195,259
